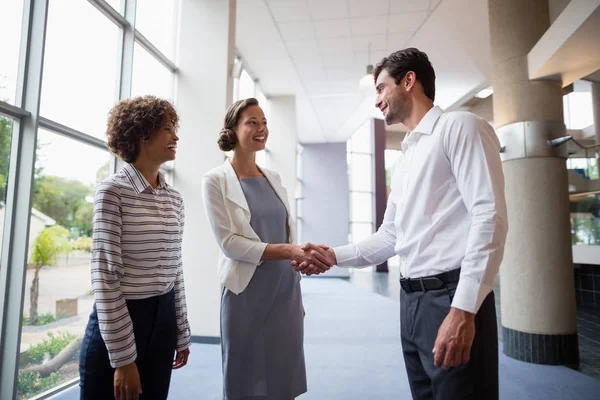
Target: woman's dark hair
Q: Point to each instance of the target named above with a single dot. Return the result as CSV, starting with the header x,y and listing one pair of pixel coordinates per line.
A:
x,y
398,64
133,120
227,136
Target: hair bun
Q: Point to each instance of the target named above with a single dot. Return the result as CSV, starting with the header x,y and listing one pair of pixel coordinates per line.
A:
x,y
227,139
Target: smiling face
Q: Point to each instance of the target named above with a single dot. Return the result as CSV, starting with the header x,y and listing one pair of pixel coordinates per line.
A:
x,y
251,130
391,99
161,145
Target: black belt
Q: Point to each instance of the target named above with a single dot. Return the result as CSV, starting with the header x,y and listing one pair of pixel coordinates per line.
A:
x,y
433,282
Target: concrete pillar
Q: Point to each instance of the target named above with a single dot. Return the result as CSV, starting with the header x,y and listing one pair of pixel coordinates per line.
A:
x,y
204,87
283,133
596,107
536,278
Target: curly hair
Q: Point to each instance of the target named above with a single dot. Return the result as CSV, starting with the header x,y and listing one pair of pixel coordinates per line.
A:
x,y
399,63
227,136
133,120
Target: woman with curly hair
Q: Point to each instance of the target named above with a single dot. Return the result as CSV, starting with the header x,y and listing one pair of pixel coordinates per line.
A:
x,y
138,329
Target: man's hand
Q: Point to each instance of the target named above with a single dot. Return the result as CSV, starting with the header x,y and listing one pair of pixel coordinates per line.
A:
x,y
317,258
309,269
127,383
454,340
181,358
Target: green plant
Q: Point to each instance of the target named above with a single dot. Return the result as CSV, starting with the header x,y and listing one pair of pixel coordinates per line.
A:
x,y
48,244
82,243
51,347
30,383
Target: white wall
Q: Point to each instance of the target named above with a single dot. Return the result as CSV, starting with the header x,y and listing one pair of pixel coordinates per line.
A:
x,y
282,142
205,57
325,204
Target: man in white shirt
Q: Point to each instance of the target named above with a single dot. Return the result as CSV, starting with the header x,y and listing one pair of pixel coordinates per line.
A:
x,y
446,219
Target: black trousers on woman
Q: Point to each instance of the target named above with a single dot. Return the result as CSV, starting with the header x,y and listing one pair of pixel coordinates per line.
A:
x,y
155,329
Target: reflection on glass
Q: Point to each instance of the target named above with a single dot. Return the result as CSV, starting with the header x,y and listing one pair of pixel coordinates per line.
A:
x,y
361,172
150,76
585,219
246,87
155,19
10,32
6,127
80,67
360,231
58,296
361,207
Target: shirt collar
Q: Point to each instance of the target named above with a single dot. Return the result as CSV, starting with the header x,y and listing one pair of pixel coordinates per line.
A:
x,y
428,122
139,183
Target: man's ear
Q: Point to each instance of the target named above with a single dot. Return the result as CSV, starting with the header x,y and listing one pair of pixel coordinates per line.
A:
x,y
410,81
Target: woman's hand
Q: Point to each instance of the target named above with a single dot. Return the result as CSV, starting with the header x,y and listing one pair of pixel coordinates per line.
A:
x,y
127,383
316,259
181,358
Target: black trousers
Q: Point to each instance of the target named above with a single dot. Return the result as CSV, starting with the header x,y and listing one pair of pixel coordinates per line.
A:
x,y
155,330
421,315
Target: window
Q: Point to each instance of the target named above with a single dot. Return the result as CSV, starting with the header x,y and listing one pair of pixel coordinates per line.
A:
x,y
116,4
585,219
247,86
80,69
578,110
56,313
10,32
360,178
155,19
6,127
150,76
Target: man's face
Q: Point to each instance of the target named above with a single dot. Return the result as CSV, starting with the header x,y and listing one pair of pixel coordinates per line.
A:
x,y
391,99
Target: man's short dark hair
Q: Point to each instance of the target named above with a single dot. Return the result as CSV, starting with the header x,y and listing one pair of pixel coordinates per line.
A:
x,y
399,63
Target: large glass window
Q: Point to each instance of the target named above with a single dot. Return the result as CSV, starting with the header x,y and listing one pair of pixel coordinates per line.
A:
x,y
360,177
58,296
585,219
6,128
155,19
247,87
10,31
80,67
150,76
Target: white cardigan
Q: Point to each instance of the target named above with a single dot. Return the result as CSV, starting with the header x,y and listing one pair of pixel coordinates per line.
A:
x,y
229,216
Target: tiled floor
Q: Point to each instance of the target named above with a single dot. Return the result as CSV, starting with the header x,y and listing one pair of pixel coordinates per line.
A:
x,y
588,319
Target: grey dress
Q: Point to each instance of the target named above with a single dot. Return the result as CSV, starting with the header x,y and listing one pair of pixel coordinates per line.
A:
x,y
262,328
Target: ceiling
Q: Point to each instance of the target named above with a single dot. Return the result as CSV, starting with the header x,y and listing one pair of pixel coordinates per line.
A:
x,y
319,49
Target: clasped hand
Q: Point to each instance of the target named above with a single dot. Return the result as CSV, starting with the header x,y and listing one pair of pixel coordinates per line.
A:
x,y
312,259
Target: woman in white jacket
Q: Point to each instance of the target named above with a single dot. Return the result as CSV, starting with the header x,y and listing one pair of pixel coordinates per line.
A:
x,y
262,327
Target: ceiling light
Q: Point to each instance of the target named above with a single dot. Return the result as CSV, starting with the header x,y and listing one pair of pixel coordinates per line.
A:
x,y
367,83
484,93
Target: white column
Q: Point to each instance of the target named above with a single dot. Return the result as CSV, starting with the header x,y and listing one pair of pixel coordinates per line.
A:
x,y
205,57
282,142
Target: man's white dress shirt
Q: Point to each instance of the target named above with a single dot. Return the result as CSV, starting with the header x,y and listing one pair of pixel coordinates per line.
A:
x,y
446,208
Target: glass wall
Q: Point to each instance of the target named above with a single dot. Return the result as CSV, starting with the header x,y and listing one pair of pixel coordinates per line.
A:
x,y
84,53
361,183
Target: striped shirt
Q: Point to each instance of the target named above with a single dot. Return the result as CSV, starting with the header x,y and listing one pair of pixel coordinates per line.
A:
x,y
136,254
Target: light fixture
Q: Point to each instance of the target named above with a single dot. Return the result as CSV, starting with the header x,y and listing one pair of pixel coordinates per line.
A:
x,y
367,84
484,93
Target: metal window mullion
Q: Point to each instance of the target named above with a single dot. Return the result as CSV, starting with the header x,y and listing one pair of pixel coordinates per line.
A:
x,y
19,194
127,38
12,111
155,52
71,133
112,14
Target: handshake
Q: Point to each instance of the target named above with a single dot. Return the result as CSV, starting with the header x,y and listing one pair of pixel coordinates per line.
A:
x,y
312,259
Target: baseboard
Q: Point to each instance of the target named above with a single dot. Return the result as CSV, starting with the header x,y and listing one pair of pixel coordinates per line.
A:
x,y
206,339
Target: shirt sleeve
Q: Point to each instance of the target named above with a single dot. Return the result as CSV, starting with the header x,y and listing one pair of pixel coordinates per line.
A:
x,y
473,150
374,250
107,270
183,326
234,246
